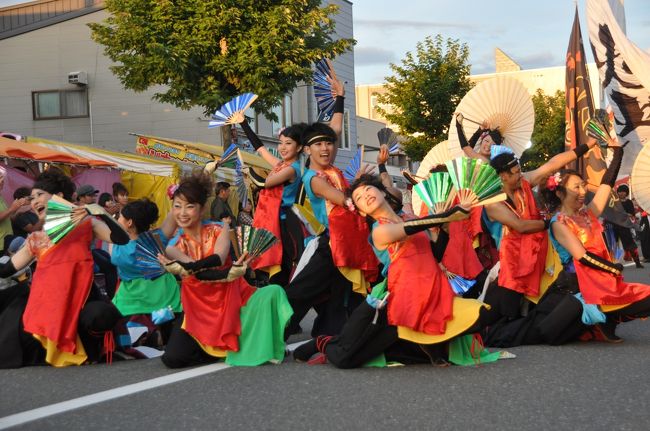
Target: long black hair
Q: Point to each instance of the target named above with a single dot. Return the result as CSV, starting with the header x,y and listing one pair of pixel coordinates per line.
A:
x,y
372,180
549,195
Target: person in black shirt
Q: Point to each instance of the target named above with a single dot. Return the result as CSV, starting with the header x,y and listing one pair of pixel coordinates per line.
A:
x,y
25,220
624,233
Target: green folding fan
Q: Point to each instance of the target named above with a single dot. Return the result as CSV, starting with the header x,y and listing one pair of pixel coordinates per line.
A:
x,y
251,240
437,192
475,181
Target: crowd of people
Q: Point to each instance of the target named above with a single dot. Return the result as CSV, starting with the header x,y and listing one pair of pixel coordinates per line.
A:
x,y
376,273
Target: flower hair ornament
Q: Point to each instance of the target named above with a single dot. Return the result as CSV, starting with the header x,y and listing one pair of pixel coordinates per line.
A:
x,y
171,190
554,181
281,130
350,205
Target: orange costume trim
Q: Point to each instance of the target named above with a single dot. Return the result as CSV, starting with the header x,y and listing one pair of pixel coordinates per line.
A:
x,y
523,256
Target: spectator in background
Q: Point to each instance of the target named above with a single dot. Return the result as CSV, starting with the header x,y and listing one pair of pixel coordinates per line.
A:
x,y
87,194
6,212
245,217
24,220
120,195
107,202
220,208
623,233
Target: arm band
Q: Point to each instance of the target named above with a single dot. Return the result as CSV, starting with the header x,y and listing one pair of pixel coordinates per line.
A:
x,y
382,168
474,139
118,234
338,105
255,140
581,150
424,223
438,248
225,275
7,269
610,175
593,261
461,135
211,261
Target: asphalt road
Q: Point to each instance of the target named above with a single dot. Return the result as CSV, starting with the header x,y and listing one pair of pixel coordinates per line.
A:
x,y
590,386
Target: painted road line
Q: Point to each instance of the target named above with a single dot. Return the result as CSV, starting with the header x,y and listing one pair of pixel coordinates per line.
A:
x,y
100,397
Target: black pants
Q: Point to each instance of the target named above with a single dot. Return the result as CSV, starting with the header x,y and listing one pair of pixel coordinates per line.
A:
x,y
292,237
322,286
103,260
503,302
182,350
95,319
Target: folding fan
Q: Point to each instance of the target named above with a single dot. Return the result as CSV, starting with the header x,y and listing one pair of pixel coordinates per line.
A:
x,y
323,91
240,183
436,156
308,219
59,219
233,111
597,130
387,137
476,182
251,240
353,167
458,284
613,244
436,192
496,150
640,178
505,104
147,248
230,158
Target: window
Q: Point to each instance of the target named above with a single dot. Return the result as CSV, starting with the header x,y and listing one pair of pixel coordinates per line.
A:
x,y
345,135
283,111
54,104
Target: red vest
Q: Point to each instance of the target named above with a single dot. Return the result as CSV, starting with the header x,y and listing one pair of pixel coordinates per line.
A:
x,y
523,255
267,216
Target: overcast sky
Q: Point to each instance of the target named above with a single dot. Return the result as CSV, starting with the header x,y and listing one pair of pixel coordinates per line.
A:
x,y
533,33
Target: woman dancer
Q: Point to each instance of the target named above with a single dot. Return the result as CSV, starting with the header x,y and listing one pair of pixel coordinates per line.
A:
x,y
139,293
419,306
223,318
484,136
69,327
577,236
273,211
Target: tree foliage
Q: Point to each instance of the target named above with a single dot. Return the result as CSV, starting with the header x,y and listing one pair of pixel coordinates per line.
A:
x,y
424,92
204,52
548,134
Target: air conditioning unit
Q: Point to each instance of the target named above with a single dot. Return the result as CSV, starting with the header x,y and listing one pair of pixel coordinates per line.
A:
x,y
78,78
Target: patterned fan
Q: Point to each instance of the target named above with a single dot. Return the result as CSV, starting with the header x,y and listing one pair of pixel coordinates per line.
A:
x,y
323,91
496,150
613,244
387,137
438,155
640,178
353,167
240,183
436,192
254,241
59,220
598,131
230,158
233,111
147,248
458,284
476,182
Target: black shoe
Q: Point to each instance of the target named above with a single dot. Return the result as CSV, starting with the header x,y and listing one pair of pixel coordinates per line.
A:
x,y
305,351
638,265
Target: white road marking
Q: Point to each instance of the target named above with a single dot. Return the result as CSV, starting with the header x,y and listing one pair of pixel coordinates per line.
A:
x,y
99,397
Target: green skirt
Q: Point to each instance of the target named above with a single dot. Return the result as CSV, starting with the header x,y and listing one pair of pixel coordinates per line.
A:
x,y
263,320
142,296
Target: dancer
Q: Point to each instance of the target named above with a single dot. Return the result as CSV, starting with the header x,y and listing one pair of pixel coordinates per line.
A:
x,y
335,276
276,199
577,235
224,315
418,305
519,231
484,136
70,328
140,293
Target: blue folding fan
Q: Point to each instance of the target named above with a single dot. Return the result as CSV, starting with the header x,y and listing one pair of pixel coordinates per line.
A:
x,y
353,167
147,247
458,284
230,157
240,184
323,91
232,112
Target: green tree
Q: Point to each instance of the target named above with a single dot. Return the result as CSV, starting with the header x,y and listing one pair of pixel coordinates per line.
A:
x,y
424,92
548,134
204,52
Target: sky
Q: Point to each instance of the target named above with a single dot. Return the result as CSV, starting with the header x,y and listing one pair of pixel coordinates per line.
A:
x,y
533,33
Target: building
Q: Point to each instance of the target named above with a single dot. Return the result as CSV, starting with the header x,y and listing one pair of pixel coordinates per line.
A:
x,y
56,84
548,79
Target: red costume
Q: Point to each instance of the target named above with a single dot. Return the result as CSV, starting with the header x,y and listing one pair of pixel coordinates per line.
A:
x,y
523,255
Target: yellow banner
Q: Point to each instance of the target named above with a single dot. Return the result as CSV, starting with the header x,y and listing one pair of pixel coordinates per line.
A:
x,y
170,151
